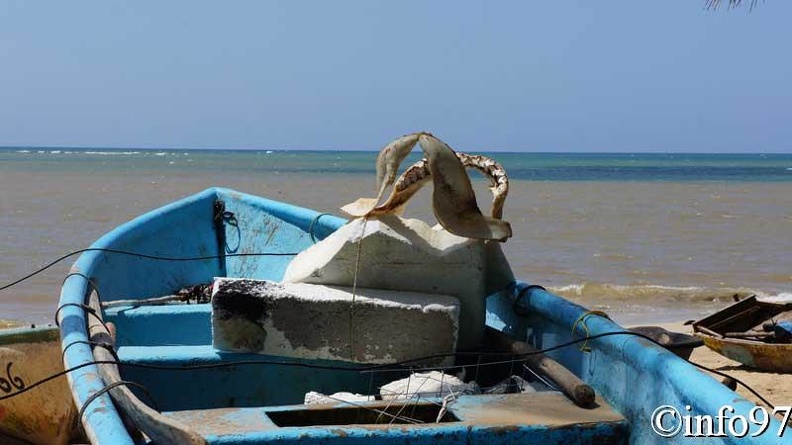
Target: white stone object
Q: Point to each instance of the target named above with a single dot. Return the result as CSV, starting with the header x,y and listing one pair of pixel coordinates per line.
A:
x,y
317,322
389,252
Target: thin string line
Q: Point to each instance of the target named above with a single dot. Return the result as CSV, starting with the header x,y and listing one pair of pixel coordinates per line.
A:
x,y
354,290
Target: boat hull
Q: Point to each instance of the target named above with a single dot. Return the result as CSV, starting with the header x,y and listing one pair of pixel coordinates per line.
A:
x,y
748,318
44,415
764,356
630,374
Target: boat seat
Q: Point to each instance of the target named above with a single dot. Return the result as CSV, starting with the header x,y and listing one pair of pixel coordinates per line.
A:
x,y
234,379
174,324
546,418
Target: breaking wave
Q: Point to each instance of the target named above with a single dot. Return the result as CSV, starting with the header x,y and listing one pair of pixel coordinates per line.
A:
x,y
649,294
111,153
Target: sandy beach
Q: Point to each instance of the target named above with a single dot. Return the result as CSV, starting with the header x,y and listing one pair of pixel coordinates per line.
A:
x,y
775,387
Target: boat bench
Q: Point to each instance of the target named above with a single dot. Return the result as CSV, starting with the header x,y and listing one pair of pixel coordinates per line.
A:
x,y
232,379
182,324
176,336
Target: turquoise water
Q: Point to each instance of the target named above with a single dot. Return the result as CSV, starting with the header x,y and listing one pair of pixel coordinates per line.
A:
x,y
521,166
642,236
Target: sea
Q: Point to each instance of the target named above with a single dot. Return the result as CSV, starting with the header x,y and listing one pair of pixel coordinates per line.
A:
x,y
647,238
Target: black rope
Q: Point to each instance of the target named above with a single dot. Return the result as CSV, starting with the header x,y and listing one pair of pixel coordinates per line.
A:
x,y
403,366
516,306
90,310
409,363
313,224
77,342
107,388
100,344
78,274
139,255
55,376
83,306
220,218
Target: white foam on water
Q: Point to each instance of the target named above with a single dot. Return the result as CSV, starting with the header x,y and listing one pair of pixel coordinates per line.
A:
x,y
649,294
782,297
111,153
576,289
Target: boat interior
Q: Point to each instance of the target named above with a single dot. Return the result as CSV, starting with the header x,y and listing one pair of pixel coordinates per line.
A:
x,y
235,398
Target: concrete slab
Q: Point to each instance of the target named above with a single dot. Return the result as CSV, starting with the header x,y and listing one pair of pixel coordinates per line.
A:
x,y
321,322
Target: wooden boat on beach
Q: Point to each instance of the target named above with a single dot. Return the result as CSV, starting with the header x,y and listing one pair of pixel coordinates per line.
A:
x,y
44,415
755,333
159,376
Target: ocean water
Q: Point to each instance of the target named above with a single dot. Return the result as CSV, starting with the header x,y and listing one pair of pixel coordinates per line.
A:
x,y
645,237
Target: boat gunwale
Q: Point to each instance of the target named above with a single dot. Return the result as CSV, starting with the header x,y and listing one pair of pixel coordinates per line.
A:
x,y
72,317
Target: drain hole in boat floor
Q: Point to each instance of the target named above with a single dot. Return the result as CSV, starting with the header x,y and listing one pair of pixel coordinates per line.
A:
x,y
373,415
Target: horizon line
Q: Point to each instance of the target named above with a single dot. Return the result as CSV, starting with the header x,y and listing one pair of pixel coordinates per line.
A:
x,y
122,148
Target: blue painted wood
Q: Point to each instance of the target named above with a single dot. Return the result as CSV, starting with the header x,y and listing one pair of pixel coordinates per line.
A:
x,y
184,229
160,325
242,385
631,374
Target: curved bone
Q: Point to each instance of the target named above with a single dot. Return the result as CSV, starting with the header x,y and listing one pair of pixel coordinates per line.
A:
x,y
390,158
453,200
388,161
417,175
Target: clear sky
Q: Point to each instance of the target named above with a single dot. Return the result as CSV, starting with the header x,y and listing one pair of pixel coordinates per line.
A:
x,y
561,75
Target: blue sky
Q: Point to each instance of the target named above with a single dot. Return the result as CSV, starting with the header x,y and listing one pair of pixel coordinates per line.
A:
x,y
576,75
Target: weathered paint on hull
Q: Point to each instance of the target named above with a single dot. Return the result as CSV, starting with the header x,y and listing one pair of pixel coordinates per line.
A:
x,y
631,374
765,356
44,415
748,316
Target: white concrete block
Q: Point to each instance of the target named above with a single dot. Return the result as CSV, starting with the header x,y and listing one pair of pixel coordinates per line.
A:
x,y
390,252
318,322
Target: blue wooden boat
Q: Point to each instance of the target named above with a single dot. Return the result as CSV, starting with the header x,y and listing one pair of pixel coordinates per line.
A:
x,y
241,398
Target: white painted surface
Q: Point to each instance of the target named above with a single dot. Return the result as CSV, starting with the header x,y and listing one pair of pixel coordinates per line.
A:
x,y
407,254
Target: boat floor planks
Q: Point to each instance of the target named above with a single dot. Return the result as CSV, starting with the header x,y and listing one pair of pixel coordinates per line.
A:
x,y
549,415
